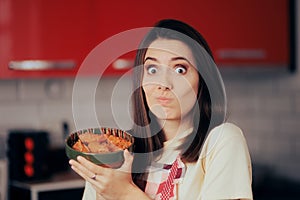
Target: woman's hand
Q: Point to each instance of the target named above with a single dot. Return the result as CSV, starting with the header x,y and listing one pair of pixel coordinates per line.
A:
x,y
109,183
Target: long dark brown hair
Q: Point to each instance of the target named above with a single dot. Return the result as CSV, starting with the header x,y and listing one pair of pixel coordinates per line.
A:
x,y
149,136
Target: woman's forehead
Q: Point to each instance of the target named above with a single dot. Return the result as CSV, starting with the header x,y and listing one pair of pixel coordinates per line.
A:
x,y
174,48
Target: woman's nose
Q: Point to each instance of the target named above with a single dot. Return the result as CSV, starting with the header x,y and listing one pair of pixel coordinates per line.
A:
x,y
162,87
165,82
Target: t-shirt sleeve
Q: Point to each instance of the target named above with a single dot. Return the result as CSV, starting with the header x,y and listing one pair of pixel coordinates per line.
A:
x,y
89,192
228,173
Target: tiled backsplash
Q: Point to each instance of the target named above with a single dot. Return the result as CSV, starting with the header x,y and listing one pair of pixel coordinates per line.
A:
x,y
47,103
264,102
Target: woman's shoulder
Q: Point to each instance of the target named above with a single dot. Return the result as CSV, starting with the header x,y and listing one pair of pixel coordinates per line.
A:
x,y
224,133
227,130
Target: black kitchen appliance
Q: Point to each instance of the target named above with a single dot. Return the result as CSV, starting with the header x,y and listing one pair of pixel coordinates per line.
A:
x,y
27,155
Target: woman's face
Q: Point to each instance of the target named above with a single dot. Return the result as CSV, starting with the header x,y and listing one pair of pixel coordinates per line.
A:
x,y
170,80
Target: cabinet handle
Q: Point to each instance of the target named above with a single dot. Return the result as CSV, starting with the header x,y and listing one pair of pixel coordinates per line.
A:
x,y
120,64
41,64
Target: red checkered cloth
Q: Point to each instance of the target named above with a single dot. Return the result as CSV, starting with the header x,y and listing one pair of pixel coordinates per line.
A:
x,y
162,180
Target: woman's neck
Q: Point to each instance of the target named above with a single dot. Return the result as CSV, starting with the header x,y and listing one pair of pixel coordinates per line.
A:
x,y
172,127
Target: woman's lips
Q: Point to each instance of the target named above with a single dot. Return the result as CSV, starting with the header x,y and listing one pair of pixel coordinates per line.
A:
x,y
163,100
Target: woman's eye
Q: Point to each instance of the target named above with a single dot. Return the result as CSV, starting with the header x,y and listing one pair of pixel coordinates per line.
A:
x,y
180,69
151,70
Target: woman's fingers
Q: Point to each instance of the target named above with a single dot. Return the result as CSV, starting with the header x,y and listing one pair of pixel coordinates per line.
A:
x,y
128,159
96,169
106,178
88,170
79,169
85,168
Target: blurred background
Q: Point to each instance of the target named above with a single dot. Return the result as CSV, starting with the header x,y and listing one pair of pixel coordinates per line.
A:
x,y
43,43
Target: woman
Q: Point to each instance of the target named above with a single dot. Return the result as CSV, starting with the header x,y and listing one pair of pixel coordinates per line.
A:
x,y
183,148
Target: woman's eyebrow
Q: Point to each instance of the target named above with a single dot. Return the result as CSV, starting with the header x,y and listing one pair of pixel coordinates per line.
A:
x,y
181,58
173,59
150,58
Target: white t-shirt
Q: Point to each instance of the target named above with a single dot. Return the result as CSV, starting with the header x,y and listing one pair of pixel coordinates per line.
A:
x,y
223,170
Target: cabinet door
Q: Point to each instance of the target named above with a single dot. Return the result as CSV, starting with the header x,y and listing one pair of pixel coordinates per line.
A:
x,y
247,32
56,33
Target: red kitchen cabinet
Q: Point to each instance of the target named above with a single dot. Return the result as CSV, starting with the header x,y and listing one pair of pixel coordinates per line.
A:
x,y
43,31
248,32
46,38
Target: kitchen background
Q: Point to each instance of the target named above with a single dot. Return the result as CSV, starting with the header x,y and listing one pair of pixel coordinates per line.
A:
x,y
263,99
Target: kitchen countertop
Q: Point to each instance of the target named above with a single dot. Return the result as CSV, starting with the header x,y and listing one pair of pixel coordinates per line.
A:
x,y
58,181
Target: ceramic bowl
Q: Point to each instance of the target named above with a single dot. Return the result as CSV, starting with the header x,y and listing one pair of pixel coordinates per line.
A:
x,y
110,159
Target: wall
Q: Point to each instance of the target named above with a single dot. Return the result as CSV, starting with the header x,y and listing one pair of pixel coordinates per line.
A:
x,y
264,102
47,103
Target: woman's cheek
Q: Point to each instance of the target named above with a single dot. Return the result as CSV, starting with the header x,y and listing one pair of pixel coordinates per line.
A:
x,y
148,90
186,101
